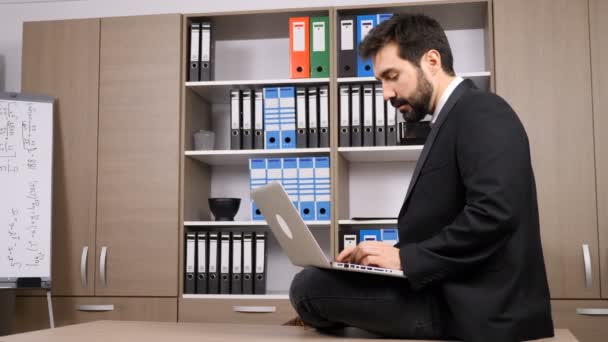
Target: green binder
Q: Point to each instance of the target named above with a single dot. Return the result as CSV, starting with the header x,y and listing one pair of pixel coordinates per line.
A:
x,y
319,47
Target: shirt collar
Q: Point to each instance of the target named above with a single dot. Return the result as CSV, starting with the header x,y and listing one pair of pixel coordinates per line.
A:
x,y
445,96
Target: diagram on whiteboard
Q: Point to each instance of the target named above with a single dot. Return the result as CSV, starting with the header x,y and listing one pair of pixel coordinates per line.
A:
x,y
25,180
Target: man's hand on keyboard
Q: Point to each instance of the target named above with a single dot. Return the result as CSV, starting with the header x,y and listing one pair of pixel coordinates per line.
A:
x,y
372,253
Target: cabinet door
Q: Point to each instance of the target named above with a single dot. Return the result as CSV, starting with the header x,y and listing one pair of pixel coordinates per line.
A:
x,y
599,55
61,59
543,71
586,319
139,104
31,312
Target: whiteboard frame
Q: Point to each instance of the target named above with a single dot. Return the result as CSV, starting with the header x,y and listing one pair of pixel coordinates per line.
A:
x,y
46,282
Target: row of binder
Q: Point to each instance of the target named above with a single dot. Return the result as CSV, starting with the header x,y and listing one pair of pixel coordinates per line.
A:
x,y
309,47
279,118
366,119
352,237
201,52
306,181
226,263
352,30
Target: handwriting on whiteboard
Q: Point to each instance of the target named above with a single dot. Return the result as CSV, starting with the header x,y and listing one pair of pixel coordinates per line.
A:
x,y
19,146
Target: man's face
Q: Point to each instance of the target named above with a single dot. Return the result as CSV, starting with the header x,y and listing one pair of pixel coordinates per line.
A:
x,y
403,83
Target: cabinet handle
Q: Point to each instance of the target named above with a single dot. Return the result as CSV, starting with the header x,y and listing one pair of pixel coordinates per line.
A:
x,y
102,265
254,309
83,266
95,308
588,270
592,312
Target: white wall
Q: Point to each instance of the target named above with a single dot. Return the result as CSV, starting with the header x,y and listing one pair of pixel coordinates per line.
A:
x,y
14,12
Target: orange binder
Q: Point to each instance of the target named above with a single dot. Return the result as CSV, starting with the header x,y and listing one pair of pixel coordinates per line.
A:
x,y
299,47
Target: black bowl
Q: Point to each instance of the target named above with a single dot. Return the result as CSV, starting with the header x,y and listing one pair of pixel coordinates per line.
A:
x,y
224,209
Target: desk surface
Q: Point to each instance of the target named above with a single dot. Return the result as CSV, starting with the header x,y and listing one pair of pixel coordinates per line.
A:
x,y
120,331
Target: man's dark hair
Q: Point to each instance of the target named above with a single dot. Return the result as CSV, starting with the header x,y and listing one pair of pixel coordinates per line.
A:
x,y
415,34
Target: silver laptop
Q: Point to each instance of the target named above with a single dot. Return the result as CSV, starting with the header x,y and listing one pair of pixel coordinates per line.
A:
x,y
294,236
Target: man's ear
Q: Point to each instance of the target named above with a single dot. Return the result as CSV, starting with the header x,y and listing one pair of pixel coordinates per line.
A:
x,y
433,60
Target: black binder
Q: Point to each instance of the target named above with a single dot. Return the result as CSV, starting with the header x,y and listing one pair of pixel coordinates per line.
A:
x,y
190,280
344,92
236,114
356,137
323,116
201,264
380,116
347,46
368,115
237,261
259,286
248,263
213,275
301,118
207,52
195,52
258,120
391,124
225,254
247,126
313,118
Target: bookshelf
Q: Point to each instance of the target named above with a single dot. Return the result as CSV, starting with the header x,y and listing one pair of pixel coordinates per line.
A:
x,y
359,175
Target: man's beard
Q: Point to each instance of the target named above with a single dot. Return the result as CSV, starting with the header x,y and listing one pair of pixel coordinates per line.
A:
x,y
420,100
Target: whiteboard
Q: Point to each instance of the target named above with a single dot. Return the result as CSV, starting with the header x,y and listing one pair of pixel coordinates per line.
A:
x,y
26,146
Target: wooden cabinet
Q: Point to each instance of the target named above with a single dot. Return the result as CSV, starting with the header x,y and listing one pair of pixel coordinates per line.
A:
x,y
32,314
61,59
117,85
138,180
583,318
598,11
233,310
543,71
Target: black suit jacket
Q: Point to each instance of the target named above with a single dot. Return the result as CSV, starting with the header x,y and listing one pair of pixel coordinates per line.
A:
x,y
469,223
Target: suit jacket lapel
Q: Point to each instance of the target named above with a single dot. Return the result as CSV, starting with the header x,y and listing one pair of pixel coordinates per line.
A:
x,y
447,107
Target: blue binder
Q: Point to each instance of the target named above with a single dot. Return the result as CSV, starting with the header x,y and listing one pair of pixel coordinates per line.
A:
x,y
257,178
322,188
364,24
370,235
274,170
272,119
287,108
290,180
306,187
390,236
383,17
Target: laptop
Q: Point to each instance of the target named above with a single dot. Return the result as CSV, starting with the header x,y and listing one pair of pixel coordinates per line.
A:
x,y
295,237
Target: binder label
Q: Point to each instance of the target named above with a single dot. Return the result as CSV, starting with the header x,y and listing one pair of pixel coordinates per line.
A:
x,y
346,35
318,36
366,26
190,256
202,252
299,36
259,256
205,49
194,37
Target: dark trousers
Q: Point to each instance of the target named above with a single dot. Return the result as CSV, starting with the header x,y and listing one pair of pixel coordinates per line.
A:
x,y
328,299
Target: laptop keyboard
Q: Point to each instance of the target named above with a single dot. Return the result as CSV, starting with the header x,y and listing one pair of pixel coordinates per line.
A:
x,y
367,268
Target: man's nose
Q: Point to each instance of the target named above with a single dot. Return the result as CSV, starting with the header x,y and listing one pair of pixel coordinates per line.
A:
x,y
387,92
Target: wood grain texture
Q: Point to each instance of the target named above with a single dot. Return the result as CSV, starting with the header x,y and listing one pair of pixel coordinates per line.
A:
x,y
543,71
61,59
584,328
222,311
139,154
32,314
598,11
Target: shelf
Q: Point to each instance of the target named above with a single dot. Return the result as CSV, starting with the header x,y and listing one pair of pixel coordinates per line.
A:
x,y
241,157
245,223
217,92
381,153
373,79
232,296
361,223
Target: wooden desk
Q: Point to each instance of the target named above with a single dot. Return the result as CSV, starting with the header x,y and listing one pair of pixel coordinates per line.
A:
x,y
119,331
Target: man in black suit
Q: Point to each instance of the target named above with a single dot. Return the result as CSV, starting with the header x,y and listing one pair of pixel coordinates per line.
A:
x,y
469,239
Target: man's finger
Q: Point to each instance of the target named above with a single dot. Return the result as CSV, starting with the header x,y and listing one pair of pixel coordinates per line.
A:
x,y
345,254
